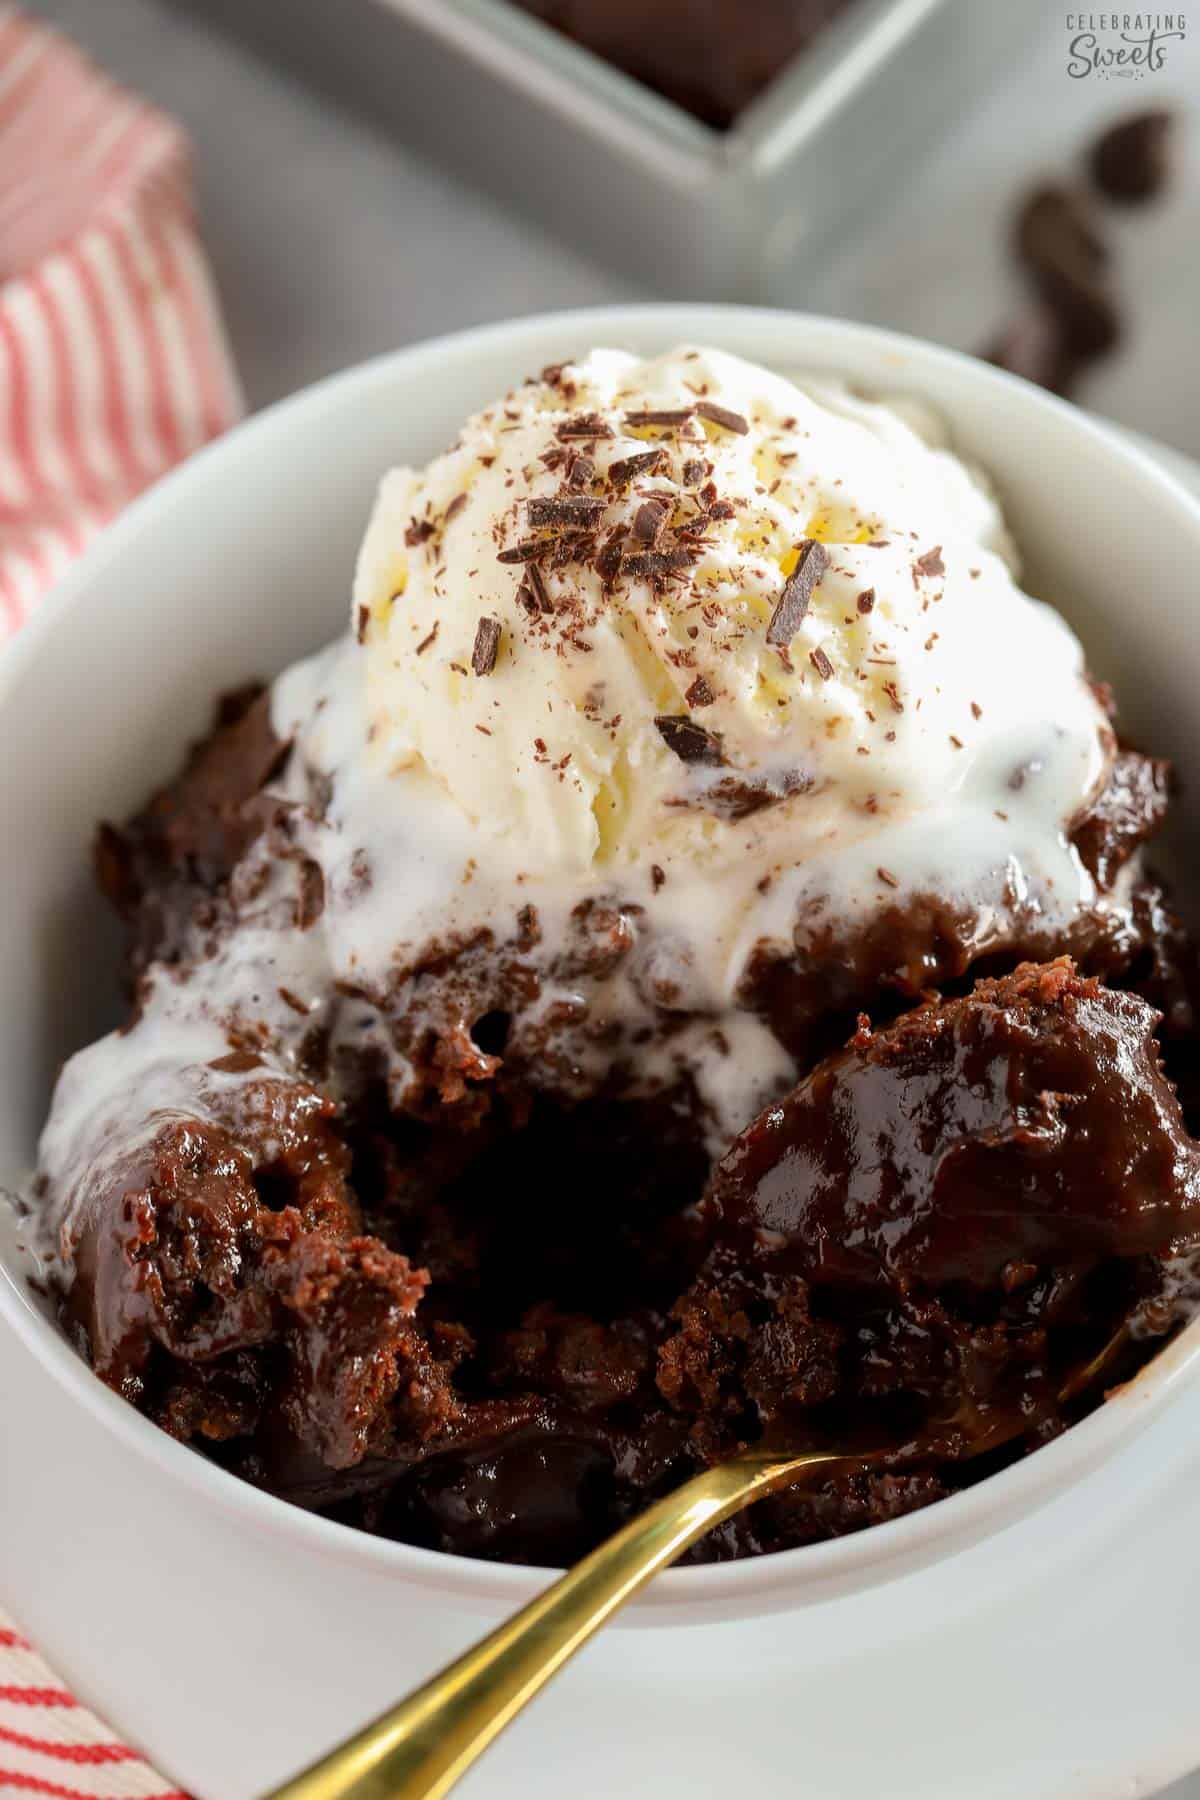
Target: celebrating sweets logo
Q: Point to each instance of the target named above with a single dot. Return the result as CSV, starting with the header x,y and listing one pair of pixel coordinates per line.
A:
x,y
1121,45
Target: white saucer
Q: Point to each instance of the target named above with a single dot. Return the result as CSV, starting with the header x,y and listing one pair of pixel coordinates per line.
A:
x,y
1056,1659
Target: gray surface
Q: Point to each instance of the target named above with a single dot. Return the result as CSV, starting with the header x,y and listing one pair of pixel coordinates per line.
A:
x,y
330,243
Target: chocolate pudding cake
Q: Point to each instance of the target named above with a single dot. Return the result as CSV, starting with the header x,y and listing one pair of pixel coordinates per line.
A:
x,y
681,967
712,57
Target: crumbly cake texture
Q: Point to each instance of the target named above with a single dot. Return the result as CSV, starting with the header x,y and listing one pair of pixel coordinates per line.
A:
x,y
501,1330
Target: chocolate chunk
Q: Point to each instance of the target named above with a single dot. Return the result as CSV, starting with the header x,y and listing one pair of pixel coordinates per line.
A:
x,y
487,645
581,470
866,600
821,663
721,415
1036,347
655,564
1058,241
628,468
1131,161
694,472
363,620
930,563
649,521
679,416
566,509
790,608
584,425
699,694
657,876
1056,223
690,742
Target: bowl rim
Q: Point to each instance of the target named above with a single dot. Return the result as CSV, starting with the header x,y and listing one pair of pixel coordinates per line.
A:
x,y
790,1577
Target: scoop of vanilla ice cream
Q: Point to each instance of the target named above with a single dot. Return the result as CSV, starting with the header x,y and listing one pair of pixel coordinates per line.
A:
x,y
731,668
715,592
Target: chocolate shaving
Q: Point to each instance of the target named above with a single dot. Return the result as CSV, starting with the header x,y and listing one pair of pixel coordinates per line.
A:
x,y
733,798
608,558
539,593
566,509
931,563
888,879
425,642
532,550
866,600
455,506
487,645
721,415
656,564
580,470
364,619
677,416
690,742
584,425
657,876
628,468
574,547
418,531
694,472
793,602
821,663
649,521
699,694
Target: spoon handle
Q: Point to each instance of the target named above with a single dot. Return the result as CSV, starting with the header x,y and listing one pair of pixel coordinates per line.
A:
x,y
419,1749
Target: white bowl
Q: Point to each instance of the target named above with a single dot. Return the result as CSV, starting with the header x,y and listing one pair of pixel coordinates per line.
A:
x,y
241,562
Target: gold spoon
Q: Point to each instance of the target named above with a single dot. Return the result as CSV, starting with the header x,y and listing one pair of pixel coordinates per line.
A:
x,y
419,1749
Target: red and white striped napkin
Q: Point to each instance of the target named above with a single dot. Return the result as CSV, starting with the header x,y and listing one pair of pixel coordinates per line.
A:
x,y
113,367
113,361
52,1746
